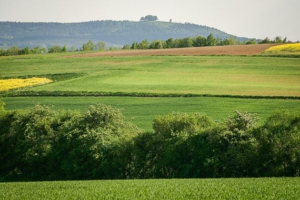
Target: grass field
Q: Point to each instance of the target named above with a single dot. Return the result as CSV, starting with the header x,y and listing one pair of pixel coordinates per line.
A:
x,y
261,188
215,75
229,75
141,111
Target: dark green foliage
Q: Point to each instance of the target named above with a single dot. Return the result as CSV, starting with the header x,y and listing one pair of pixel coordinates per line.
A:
x,y
279,145
42,144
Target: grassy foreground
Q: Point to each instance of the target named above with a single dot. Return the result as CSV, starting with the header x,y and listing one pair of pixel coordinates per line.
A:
x,y
141,110
260,188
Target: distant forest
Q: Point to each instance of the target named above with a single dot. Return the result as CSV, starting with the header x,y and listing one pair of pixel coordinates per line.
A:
x,y
113,33
196,41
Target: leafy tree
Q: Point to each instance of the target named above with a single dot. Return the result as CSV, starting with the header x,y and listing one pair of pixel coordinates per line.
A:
x,y
72,49
89,46
13,51
64,49
251,41
180,123
278,39
36,50
127,46
149,18
170,43
211,40
143,45
279,145
199,41
186,42
27,50
134,45
156,44
55,49
100,46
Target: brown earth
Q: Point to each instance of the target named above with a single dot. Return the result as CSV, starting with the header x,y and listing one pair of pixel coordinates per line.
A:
x,y
193,51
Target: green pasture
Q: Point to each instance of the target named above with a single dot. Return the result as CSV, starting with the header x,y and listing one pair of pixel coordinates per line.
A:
x,y
141,110
229,75
260,188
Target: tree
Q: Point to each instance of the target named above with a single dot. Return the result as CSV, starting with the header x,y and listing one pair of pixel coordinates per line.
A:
x,y
278,39
27,50
13,51
55,49
144,44
149,18
89,46
186,42
211,40
199,41
279,145
134,45
251,41
64,49
100,46
156,44
36,50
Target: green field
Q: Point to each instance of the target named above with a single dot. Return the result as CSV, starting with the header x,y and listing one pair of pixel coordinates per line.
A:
x,y
141,110
261,188
163,75
217,75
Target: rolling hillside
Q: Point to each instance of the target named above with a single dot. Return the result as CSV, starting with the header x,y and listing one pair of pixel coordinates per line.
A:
x,y
111,32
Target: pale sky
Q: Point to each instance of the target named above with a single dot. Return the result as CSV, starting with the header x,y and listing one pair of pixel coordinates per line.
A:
x,y
243,18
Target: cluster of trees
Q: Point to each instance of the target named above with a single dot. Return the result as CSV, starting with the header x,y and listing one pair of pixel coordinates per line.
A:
x,y
89,46
42,144
197,41
149,18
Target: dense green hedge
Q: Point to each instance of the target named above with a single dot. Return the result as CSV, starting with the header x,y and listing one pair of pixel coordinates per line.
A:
x,y
15,93
42,144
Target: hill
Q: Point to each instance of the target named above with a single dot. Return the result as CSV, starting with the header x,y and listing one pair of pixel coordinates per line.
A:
x,y
24,34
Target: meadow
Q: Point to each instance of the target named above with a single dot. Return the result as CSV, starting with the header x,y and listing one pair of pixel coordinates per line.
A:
x,y
257,84
245,188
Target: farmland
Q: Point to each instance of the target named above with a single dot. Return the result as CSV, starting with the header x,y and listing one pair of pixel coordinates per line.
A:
x,y
121,73
144,85
263,188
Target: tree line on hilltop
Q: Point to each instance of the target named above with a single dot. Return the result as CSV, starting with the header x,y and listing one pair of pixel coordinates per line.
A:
x,y
197,41
42,144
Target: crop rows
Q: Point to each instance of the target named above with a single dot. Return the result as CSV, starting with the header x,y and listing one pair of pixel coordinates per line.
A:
x,y
262,188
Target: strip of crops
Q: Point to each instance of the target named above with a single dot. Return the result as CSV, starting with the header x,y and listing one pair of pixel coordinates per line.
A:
x,y
261,188
141,111
8,84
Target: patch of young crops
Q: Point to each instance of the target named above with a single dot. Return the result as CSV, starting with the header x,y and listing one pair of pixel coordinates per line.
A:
x,y
141,110
8,84
285,48
245,188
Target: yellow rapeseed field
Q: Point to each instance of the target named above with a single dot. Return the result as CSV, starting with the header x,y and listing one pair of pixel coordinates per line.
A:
x,y
7,84
285,48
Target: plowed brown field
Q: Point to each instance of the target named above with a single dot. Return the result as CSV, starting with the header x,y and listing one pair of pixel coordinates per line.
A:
x,y
193,51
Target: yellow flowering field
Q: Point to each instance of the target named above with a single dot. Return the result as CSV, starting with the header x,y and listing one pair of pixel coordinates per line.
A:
x,y
285,48
7,84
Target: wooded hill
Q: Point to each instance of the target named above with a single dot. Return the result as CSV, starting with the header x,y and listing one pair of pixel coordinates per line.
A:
x,y
23,34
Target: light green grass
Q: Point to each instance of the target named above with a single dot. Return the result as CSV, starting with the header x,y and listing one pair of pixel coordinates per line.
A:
x,y
141,111
231,75
260,188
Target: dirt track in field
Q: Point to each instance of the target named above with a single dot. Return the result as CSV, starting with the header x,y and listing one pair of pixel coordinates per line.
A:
x,y
193,51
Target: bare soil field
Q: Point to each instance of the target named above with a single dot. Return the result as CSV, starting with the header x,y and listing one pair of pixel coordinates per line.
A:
x,y
193,51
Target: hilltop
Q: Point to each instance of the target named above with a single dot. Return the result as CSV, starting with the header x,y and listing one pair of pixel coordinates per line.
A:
x,y
24,34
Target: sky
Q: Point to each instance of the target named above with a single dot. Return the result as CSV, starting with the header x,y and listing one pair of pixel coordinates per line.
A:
x,y
244,18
